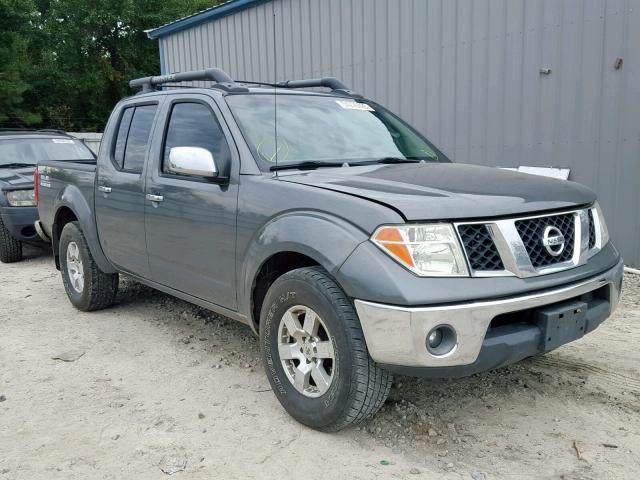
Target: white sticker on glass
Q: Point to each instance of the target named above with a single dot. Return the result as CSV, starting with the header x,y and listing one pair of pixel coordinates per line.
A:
x,y
351,105
61,140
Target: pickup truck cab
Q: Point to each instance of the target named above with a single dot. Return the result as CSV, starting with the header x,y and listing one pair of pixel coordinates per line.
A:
x,y
347,241
20,151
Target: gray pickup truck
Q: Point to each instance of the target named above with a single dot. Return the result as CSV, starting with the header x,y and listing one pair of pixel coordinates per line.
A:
x,y
346,240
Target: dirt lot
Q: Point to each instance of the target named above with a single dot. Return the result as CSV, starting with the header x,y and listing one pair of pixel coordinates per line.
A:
x,y
165,387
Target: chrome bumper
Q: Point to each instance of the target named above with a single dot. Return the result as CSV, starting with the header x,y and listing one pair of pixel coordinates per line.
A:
x,y
40,231
396,335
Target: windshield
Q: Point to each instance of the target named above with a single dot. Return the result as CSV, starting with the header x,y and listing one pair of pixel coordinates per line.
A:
x,y
32,150
325,129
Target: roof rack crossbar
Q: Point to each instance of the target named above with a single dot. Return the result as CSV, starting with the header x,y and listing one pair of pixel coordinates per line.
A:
x,y
213,74
34,130
328,82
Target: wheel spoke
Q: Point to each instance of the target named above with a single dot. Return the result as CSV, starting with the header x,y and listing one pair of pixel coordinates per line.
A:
x,y
293,324
325,349
321,377
310,322
301,377
289,351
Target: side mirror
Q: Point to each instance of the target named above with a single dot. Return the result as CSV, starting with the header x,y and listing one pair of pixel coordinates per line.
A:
x,y
193,161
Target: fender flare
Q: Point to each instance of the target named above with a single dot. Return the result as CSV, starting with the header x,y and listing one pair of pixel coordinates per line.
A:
x,y
327,239
72,198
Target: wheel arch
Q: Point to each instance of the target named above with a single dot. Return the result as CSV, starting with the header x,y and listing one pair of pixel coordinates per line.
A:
x,y
291,241
71,205
270,270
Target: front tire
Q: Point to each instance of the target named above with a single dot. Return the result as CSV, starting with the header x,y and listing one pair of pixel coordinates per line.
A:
x,y
88,287
315,355
10,248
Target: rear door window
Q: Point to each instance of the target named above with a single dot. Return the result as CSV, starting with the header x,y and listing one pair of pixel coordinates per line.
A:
x,y
138,138
121,139
132,140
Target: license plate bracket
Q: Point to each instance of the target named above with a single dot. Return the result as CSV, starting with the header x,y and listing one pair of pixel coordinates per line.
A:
x,y
561,323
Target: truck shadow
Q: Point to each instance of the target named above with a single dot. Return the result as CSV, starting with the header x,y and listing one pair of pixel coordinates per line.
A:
x,y
438,417
31,252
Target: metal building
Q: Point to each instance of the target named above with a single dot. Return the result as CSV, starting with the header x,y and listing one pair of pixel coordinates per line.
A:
x,y
491,82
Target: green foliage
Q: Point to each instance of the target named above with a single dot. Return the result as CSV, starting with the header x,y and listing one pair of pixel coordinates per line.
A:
x,y
65,63
15,19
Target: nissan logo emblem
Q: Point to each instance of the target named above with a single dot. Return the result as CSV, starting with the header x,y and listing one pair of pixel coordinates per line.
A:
x,y
553,241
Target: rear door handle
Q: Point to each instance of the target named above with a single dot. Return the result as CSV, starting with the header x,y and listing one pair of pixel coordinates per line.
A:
x,y
104,189
155,198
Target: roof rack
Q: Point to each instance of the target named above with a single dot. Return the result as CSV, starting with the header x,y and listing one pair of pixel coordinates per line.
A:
x,y
223,81
328,82
35,130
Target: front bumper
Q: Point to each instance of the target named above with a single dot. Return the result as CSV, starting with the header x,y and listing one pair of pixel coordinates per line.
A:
x,y
20,222
396,336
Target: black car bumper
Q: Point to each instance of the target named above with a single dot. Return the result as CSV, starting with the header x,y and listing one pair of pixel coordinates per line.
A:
x,y
20,223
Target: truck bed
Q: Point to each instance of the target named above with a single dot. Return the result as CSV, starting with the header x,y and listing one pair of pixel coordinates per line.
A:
x,y
60,179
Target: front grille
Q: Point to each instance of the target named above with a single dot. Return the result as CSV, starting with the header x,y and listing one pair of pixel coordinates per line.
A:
x,y
592,231
531,231
481,251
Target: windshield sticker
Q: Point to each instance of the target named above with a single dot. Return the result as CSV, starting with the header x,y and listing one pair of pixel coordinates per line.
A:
x,y
351,105
61,140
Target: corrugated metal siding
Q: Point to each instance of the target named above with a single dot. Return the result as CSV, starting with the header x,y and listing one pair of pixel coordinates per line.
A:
x,y
467,74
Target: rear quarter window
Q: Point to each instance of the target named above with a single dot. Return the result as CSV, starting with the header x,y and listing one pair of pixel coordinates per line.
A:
x,y
133,135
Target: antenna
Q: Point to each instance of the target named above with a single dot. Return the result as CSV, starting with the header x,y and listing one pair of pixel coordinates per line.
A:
x,y
275,90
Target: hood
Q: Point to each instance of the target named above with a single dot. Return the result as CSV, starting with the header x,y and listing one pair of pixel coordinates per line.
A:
x,y
447,191
12,178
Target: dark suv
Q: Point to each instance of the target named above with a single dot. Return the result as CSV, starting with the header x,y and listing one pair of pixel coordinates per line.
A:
x,y
20,151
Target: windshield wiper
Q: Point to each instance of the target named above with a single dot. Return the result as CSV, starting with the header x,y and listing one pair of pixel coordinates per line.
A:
x,y
16,165
310,165
403,160
313,164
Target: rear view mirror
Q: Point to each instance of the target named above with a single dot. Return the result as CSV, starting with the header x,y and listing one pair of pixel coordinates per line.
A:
x,y
193,161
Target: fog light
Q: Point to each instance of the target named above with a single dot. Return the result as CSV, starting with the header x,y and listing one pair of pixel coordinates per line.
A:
x,y
435,338
441,340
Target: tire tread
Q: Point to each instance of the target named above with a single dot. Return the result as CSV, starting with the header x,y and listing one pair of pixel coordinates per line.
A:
x,y
10,248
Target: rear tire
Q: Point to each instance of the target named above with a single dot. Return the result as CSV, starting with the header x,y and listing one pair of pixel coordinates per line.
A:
x,y
10,248
320,370
88,287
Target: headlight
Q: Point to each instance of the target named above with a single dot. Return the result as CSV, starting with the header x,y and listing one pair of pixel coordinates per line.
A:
x,y
601,226
21,198
430,250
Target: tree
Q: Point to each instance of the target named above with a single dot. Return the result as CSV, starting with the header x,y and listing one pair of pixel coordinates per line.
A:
x,y
82,54
16,18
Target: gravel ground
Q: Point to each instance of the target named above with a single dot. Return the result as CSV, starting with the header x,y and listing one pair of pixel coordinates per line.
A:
x,y
155,387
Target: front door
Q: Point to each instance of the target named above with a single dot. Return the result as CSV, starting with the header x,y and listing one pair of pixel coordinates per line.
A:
x,y
191,221
120,190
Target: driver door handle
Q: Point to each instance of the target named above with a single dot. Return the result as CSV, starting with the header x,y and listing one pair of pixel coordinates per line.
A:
x,y
104,189
154,198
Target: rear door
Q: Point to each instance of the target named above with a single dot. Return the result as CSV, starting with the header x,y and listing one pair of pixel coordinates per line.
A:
x,y
191,227
120,190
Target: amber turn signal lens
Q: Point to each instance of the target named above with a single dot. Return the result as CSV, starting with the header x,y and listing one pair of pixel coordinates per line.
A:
x,y
428,250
